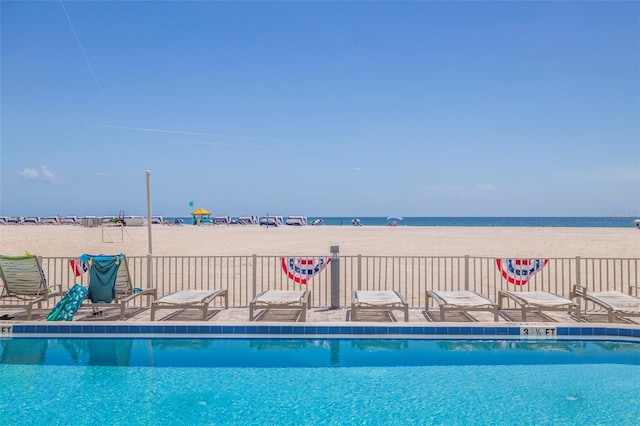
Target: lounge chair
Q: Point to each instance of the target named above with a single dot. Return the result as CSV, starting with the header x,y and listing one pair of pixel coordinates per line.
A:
x,y
617,303
281,299
24,283
385,300
110,283
189,299
538,301
461,301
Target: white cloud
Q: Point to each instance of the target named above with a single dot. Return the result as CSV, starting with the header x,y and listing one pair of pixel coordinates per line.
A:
x,y
29,174
44,174
47,175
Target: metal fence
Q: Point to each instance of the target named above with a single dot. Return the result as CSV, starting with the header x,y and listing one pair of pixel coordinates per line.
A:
x,y
246,276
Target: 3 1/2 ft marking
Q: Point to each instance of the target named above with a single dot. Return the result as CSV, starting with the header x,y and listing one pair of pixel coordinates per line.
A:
x,y
538,332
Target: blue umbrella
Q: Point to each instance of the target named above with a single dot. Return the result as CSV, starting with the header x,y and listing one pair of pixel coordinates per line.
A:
x,y
394,218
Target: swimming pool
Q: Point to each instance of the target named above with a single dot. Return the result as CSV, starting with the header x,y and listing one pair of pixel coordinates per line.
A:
x,y
318,381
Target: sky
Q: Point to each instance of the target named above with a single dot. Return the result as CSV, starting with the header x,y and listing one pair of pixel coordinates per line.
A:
x,y
320,108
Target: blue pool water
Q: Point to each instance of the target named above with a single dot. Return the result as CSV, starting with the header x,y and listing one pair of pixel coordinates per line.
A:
x,y
260,381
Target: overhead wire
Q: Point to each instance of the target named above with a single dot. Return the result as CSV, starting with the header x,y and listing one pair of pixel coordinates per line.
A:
x,y
86,59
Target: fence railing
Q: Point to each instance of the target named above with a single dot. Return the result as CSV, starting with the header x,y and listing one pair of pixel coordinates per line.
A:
x,y
246,276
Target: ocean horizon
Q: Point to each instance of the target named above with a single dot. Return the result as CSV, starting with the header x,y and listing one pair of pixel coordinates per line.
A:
x,y
417,221
559,221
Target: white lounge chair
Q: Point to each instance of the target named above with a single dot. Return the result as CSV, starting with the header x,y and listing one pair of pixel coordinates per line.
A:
x,y
538,301
384,300
24,283
281,299
461,301
189,299
617,303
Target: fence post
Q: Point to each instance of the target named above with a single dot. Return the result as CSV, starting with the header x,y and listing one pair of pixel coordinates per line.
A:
x,y
466,272
255,275
577,282
335,277
149,272
359,278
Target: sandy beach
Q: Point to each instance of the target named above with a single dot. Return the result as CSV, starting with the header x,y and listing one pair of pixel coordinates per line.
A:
x,y
209,240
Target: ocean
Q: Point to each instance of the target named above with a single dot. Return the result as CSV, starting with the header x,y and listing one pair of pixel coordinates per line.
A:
x,y
569,222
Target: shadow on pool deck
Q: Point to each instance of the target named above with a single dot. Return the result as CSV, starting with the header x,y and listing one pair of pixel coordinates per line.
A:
x,y
417,316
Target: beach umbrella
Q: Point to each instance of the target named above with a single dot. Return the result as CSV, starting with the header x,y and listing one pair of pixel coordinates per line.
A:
x,y
394,218
201,211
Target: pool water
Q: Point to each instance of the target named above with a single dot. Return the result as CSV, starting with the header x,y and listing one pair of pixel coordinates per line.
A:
x,y
120,381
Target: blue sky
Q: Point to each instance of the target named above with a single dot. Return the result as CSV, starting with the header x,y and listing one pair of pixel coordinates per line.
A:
x,y
321,108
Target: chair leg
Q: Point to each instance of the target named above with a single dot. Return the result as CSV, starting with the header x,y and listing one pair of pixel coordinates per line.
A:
x,y
204,312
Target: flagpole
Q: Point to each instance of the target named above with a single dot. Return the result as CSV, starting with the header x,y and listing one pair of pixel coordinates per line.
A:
x,y
149,210
149,269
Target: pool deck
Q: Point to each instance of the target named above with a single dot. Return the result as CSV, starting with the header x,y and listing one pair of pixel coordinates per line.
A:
x,y
321,323
321,315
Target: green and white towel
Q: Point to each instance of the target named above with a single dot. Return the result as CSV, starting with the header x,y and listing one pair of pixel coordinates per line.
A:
x,y
67,307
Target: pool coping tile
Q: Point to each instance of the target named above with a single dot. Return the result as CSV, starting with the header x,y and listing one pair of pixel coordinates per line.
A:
x,y
464,331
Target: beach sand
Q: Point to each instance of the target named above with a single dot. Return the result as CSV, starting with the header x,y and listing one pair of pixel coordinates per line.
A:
x,y
209,240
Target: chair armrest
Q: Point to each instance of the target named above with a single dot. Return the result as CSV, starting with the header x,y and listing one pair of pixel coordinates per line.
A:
x,y
148,292
255,299
501,296
54,291
578,291
402,298
306,298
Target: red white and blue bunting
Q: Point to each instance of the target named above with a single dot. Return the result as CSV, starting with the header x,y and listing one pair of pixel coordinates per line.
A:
x,y
519,271
301,269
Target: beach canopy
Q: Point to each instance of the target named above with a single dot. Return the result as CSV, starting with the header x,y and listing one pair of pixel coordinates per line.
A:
x,y
394,218
201,211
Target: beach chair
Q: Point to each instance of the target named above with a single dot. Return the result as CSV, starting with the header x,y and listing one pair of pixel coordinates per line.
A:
x,y
189,299
110,284
385,300
617,303
281,299
461,301
538,301
24,283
